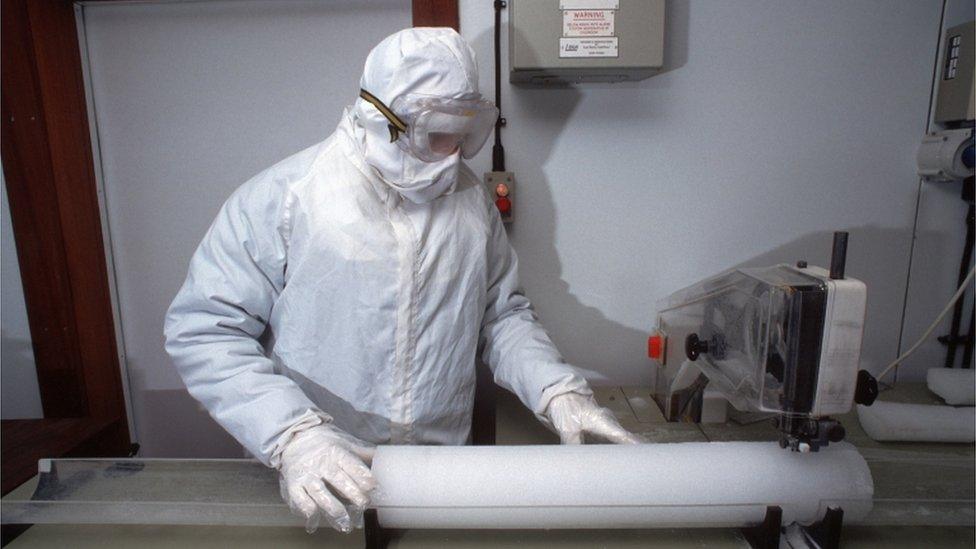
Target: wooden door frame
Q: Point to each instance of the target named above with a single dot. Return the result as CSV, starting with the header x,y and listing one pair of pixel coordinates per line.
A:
x,y
436,13
50,177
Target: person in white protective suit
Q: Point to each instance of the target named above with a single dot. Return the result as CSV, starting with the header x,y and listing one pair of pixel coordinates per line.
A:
x,y
341,296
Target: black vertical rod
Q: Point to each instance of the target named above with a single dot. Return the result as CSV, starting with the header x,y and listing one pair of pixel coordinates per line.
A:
x,y
483,414
376,536
838,257
497,150
953,340
967,349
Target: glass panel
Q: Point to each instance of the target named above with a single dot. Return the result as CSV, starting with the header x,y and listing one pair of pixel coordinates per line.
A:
x,y
749,321
21,398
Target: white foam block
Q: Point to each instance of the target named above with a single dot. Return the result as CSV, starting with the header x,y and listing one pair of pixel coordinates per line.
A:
x,y
890,421
615,486
956,386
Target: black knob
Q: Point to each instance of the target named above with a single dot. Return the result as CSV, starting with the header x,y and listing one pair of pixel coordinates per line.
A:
x,y
694,346
836,433
866,389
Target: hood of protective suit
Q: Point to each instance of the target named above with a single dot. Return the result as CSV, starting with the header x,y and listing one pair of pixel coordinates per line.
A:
x,y
429,61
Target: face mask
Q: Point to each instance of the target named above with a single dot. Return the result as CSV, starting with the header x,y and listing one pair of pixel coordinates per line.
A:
x,y
416,180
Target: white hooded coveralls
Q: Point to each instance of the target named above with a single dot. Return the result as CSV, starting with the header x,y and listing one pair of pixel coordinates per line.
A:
x,y
321,294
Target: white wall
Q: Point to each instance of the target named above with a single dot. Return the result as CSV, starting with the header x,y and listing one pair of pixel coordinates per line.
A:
x,y
940,237
776,123
191,100
20,397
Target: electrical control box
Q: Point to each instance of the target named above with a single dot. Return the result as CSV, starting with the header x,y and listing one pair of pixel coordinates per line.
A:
x,y
955,99
568,41
501,186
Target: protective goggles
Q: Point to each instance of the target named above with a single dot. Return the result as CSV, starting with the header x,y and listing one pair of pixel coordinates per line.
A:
x,y
433,128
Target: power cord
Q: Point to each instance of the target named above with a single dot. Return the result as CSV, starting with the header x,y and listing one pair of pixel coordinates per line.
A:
x,y
959,293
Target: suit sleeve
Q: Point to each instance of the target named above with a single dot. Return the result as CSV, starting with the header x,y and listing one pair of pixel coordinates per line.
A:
x,y
514,344
214,325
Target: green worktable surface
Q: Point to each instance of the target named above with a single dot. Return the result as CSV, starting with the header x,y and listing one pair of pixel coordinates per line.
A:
x,y
515,425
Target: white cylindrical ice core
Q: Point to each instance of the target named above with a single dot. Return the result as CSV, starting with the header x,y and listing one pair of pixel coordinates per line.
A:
x,y
956,386
894,421
719,484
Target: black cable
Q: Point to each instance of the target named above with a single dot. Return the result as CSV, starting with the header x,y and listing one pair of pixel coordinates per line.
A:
x,y
497,150
967,350
954,339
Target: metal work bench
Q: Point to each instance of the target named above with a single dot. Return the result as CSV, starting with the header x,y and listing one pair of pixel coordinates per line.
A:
x,y
919,472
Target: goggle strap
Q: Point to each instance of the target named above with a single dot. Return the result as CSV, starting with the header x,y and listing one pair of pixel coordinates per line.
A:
x,y
396,125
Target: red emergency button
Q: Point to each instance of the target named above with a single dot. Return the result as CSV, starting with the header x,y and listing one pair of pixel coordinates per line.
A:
x,y
504,205
655,345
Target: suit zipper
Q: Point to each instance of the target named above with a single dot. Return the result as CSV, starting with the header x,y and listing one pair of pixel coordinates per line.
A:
x,y
401,405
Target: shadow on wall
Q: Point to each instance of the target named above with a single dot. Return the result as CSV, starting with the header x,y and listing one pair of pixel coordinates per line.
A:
x,y
591,340
543,271
675,35
21,396
551,107
181,426
18,353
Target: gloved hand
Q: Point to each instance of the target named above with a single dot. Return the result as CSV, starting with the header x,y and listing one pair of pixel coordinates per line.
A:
x,y
320,465
573,414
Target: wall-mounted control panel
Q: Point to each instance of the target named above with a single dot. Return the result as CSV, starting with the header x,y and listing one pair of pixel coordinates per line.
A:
x,y
957,93
568,41
501,187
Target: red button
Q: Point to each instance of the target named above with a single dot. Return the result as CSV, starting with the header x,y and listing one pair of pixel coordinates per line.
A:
x,y
654,346
504,205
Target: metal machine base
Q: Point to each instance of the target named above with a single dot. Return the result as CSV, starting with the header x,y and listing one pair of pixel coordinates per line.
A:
x,y
766,535
377,537
824,534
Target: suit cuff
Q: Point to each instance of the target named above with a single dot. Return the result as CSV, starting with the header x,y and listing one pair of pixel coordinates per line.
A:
x,y
570,383
311,418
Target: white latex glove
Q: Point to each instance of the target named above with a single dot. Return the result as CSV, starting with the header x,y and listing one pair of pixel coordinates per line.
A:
x,y
319,466
573,414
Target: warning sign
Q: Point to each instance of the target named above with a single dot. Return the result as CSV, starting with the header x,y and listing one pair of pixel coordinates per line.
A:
x,y
588,22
